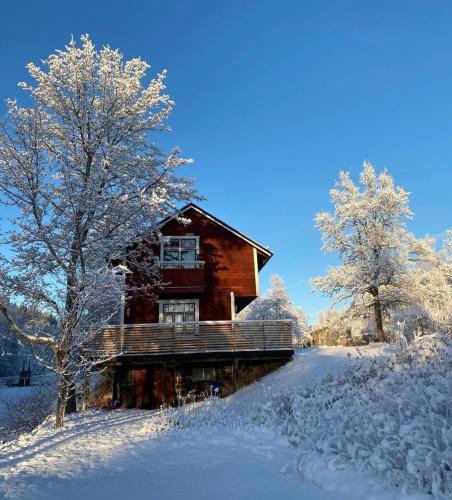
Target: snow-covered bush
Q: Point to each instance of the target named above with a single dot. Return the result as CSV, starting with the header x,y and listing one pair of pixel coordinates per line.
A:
x,y
390,416
24,413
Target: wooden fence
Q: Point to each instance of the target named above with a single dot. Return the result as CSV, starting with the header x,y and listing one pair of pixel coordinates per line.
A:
x,y
196,337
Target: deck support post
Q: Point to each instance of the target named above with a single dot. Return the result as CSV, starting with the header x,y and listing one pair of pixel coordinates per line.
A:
x,y
86,391
235,373
114,395
164,370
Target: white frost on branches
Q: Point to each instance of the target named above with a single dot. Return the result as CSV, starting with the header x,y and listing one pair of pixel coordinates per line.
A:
x,y
367,231
430,292
276,304
78,168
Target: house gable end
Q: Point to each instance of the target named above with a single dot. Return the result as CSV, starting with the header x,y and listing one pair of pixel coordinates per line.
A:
x,y
264,254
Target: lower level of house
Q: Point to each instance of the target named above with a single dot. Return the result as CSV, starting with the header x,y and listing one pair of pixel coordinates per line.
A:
x,y
174,381
155,364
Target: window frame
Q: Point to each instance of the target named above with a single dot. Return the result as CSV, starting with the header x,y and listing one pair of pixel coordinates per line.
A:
x,y
178,301
168,237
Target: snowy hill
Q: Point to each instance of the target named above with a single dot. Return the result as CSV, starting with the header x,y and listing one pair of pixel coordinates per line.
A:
x,y
139,454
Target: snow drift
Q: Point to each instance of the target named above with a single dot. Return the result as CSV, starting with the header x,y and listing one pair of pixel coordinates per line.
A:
x,y
389,416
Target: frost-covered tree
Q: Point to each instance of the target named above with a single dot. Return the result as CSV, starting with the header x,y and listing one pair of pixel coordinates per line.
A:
x,y
338,320
302,329
427,304
430,291
85,181
276,304
433,288
368,233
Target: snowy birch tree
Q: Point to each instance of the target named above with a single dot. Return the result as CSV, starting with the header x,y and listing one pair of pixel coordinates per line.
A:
x,y
276,304
367,231
84,181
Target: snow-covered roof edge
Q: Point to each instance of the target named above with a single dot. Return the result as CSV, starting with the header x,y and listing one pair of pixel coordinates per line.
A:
x,y
244,237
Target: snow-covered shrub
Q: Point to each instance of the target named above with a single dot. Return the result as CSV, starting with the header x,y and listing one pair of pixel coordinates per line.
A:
x,y
24,413
416,320
390,416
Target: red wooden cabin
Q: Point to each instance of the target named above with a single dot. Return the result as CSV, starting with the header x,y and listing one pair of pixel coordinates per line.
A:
x,y
188,343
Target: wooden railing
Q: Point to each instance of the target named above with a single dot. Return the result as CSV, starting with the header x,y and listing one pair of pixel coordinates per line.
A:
x,y
196,337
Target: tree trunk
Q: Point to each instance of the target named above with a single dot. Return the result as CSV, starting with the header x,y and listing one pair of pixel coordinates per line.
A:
x,y
61,402
64,386
71,402
379,321
86,382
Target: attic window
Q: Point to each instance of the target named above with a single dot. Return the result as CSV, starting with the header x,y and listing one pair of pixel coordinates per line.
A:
x,y
180,251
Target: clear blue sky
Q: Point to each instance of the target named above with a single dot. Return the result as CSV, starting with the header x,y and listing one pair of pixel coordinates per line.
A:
x,y
273,98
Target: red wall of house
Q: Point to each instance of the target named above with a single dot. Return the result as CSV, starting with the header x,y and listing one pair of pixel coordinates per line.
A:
x,y
229,267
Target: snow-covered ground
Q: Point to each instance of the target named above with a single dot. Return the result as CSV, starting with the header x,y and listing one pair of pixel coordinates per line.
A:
x,y
133,454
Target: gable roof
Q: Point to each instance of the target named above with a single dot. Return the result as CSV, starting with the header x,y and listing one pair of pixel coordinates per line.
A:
x,y
249,240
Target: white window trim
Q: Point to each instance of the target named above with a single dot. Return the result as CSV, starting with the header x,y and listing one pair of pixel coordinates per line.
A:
x,y
162,240
256,271
178,301
232,306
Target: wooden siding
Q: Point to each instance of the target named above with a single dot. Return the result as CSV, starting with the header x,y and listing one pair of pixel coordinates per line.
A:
x,y
142,310
183,281
229,260
229,266
197,337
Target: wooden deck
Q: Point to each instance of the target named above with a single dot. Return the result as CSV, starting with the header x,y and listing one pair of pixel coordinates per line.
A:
x,y
189,338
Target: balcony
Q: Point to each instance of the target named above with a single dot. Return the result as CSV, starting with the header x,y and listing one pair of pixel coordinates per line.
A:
x,y
182,277
154,339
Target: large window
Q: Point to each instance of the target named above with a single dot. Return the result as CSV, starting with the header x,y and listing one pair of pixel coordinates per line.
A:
x,y
179,311
179,251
